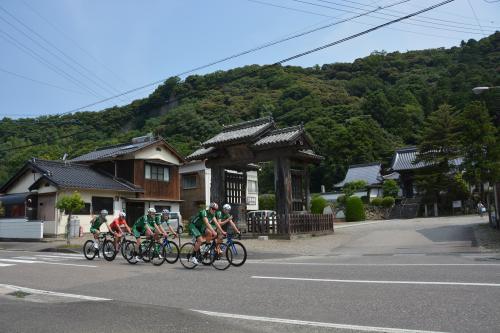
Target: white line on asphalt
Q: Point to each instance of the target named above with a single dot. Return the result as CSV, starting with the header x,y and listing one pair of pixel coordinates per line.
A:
x,y
271,262
57,254
52,293
21,261
6,265
312,323
382,282
60,257
359,224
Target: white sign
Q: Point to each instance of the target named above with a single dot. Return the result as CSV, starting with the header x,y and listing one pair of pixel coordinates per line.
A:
x,y
457,204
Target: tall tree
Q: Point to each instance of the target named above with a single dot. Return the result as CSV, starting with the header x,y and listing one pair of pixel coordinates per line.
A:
x,y
479,145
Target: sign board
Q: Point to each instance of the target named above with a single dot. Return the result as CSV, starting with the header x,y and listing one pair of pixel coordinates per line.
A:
x,y
457,204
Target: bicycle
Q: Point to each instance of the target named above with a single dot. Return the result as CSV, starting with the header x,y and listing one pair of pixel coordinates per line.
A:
x,y
238,250
152,251
90,251
207,255
110,256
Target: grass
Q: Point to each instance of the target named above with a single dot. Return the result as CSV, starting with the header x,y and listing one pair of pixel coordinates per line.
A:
x,y
19,294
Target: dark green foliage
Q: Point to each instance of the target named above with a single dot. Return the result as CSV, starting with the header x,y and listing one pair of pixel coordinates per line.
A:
x,y
354,210
341,199
353,187
390,188
377,202
267,202
356,112
387,202
318,203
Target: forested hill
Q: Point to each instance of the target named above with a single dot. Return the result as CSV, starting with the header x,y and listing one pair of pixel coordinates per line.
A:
x,y
355,112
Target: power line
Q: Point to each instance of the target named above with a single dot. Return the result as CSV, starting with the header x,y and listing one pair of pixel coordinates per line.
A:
x,y
49,140
47,63
477,20
40,82
52,53
62,32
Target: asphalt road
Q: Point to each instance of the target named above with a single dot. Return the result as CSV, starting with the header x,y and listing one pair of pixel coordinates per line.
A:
x,y
390,277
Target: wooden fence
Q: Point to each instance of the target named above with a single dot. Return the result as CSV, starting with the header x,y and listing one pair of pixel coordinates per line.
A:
x,y
290,224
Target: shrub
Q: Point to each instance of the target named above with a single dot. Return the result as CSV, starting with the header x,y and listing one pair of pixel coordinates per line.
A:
x,y
341,200
388,202
267,202
353,187
354,210
318,204
377,202
365,199
390,188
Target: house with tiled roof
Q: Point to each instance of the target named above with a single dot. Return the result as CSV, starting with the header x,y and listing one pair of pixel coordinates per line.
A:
x,y
369,173
130,177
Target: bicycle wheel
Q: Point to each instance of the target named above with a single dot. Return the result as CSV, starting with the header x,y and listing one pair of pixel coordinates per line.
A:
x,y
185,254
156,254
130,252
171,251
108,250
89,250
145,247
223,260
207,255
238,253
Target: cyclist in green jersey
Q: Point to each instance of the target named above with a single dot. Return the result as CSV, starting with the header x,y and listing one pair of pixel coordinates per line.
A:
x,y
203,227
224,219
95,225
165,216
144,226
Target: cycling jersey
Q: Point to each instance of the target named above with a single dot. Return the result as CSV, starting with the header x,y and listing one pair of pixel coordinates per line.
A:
x,y
221,216
96,223
140,225
198,226
117,224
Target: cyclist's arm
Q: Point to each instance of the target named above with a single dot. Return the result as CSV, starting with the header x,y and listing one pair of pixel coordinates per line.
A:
x,y
159,226
128,228
171,229
109,229
218,225
205,220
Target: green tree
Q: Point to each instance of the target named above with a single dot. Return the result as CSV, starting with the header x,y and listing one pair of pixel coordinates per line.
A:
x,y
438,149
354,210
390,188
267,201
479,146
352,187
70,204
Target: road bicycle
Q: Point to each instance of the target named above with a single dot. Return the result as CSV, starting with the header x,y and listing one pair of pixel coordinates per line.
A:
x,y
238,251
90,250
110,255
207,255
156,252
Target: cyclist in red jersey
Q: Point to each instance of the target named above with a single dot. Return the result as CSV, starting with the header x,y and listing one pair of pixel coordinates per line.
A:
x,y
118,226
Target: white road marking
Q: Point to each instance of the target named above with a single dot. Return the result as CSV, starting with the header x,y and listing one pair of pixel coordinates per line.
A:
x,y
6,265
358,224
57,254
272,262
23,261
382,282
59,257
312,323
52,293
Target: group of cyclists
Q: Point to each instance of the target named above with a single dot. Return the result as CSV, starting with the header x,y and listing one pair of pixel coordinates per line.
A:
x,y
209,224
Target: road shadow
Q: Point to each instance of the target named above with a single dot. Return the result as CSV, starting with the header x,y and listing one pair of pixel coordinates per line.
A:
x,y
449,233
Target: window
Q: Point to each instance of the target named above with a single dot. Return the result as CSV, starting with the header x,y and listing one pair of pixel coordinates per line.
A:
x,y
252,186
251,201
100,203
84,211
157,172
189,181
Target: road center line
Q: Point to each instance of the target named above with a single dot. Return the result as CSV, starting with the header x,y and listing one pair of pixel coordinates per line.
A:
x,y
271,262
22,261
52,293
382,282
312,323
6,265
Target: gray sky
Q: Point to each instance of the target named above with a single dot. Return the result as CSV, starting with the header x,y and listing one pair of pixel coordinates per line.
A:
x,y
59,55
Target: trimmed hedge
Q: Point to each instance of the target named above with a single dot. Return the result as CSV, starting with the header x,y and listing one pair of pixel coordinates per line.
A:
x,y
354,210
377,202
388,202
318,204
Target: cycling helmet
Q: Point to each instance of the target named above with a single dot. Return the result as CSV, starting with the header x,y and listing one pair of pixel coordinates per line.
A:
x,y
165,211
151,210
122,214
226,207
213,205
104,212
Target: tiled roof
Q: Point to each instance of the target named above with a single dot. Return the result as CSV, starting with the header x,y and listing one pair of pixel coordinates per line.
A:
x,y
392,175
370,173
113,151
404,159
311,154
73,175
241,131
200,154
279,136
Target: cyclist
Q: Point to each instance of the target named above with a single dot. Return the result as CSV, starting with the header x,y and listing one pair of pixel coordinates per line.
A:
x,y
144,226
203,225
225,219
165,216
95,225
119,225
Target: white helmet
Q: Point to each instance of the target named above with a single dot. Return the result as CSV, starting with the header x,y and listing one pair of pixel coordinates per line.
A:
x,y
226,207
151,210
104,212
122,214
214,205
165,211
